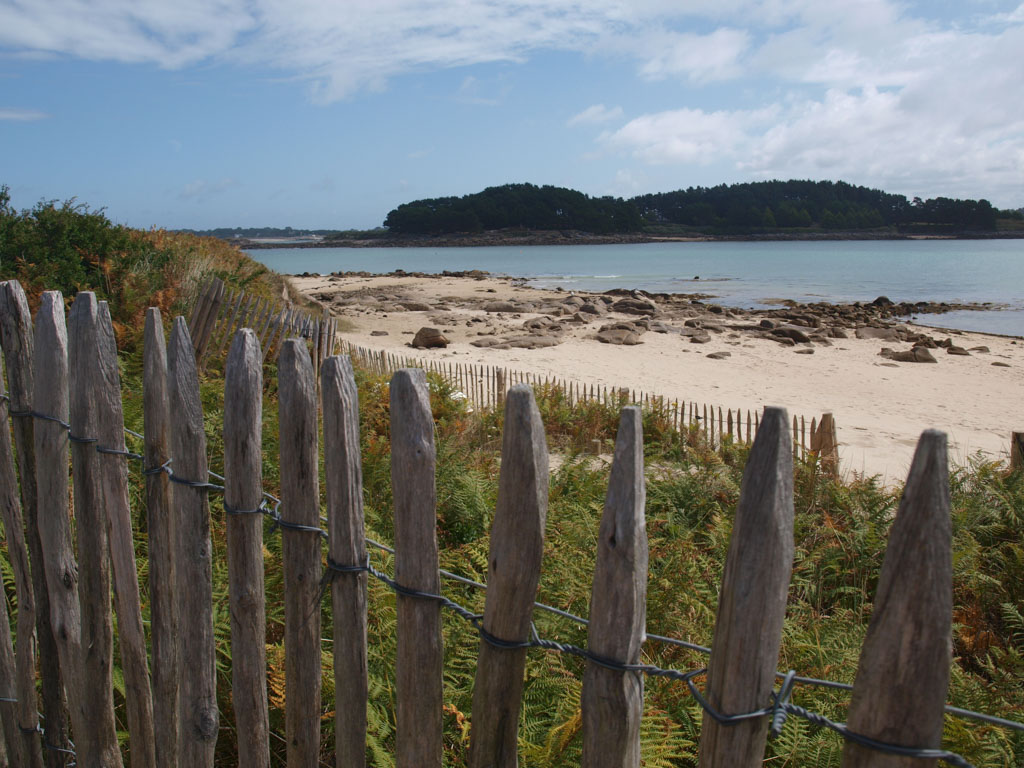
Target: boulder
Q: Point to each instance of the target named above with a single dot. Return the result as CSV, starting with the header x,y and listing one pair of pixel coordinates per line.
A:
x,y
718,355
415,306
597,308
982,348
804,351
882,301
500,306
378,333
533,342
955,350
884,334
792,332
700,338
427,338
913,355
486,342
618,336
635,306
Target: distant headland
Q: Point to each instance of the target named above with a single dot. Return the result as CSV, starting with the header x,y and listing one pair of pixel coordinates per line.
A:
x,y
527,214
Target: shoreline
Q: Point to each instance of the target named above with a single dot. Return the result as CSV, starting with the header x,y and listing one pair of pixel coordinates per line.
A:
x,y
559,237
812,358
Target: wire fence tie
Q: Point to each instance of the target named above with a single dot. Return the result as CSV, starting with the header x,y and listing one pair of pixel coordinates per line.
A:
x,y
779,712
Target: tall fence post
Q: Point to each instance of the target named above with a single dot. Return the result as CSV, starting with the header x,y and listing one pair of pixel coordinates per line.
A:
x,y
50,374
11,746
243,494
93,528
198,717
23,746
17,338
903,673
300,552
516,550
418,661
114,477
613,701
346,548
752,601
1017,450
162,545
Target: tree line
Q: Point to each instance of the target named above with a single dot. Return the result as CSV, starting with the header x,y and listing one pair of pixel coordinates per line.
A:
x,y
727,208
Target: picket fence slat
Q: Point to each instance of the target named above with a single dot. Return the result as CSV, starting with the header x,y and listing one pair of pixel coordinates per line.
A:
x,y
903,673
516,550
243,494
346,547
20,718
160,525
752,601
114,478
198,718
93,526
10,740
419,693
17,335
613,701
300,552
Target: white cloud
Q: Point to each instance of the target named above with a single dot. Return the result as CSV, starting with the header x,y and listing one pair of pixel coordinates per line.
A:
x,y
202,190
595,114
701,58
14,115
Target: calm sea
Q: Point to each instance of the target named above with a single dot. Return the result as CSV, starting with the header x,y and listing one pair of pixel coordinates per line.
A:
x,y
741,274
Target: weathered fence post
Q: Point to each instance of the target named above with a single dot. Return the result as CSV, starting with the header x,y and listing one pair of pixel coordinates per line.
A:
x,y
517,547
613,701
419,655
1017,450
197,694
17,340
25,749
243,494
11,743
300,550
752,601
903,674
162,546
106,390
50,374
93,527
347,548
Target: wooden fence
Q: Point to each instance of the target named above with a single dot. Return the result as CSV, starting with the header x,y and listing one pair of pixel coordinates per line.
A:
x,y
219,313
485,385
65,404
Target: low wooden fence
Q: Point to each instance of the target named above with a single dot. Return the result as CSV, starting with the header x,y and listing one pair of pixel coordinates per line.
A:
x,y
65,406
219,312
485,385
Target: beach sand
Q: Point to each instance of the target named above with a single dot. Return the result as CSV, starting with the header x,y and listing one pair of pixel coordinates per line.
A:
x,y
880,406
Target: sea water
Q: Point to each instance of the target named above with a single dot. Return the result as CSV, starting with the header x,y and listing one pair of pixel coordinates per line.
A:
x,y
739,274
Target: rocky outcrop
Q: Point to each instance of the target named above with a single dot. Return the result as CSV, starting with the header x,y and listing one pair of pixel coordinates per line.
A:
x,y
429,338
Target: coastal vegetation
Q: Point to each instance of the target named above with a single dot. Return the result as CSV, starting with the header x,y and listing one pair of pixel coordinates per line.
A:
x,y
727,209
841,530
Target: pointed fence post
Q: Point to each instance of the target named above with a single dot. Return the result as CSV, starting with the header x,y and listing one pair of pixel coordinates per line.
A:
x,y
114,477
25,749
93,528
198,718
300,552
162,545
17,340
50,373
752,601
419,655
903,674
243,494
613,701
347,548
517,548
1017,450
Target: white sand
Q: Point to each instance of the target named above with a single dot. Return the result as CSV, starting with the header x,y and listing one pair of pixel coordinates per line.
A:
x,y
880,407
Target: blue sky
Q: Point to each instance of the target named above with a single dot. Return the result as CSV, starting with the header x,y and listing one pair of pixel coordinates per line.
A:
x,y
316,114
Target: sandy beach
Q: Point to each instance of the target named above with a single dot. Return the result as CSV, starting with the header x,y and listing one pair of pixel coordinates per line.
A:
x,y
880,404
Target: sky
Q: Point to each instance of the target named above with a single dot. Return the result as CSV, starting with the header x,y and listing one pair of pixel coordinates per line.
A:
x,y
320,114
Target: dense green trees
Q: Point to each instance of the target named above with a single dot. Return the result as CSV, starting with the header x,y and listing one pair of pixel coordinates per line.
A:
x,y
726,208
522,206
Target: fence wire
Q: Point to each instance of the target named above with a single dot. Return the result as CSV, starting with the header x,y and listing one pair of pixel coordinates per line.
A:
x,y
778,710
